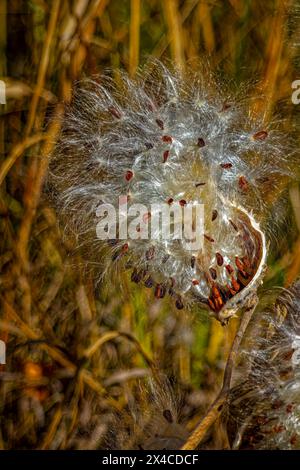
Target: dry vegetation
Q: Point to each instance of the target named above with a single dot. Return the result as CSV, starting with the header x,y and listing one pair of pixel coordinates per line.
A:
x,y
79,357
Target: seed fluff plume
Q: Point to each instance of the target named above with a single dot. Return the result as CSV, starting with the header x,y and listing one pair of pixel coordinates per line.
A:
x,y
152,421
264,411
177,139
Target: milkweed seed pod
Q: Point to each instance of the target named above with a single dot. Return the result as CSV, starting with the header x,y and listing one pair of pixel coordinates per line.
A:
x,y
264,409
174,140
152,421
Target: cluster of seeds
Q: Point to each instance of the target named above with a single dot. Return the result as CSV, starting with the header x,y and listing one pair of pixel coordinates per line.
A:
x,y
169,138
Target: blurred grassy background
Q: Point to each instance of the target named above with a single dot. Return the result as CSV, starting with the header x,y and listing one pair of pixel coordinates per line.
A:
x,y
77,356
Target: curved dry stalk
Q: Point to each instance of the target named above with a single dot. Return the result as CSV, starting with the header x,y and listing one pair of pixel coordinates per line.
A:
x,y
215,409
173,21
134,44
17,152
43,66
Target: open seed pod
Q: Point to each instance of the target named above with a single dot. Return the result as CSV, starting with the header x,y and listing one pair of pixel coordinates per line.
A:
x,y
177,141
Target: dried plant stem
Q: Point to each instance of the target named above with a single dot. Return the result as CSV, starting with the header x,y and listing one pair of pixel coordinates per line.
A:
x,y
164,42
174,26
116,334
43,66
207,26
274,53
35,190
215,409
17,152
134,45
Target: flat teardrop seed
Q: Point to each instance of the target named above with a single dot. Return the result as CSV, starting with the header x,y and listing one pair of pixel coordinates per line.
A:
x,y
115,112
150,253
149,282
214,215
210,239
128,175
243,183
226,166
166,155
160,291
179,304
229,269
260,135
136,276
160,124
213,273
148,145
